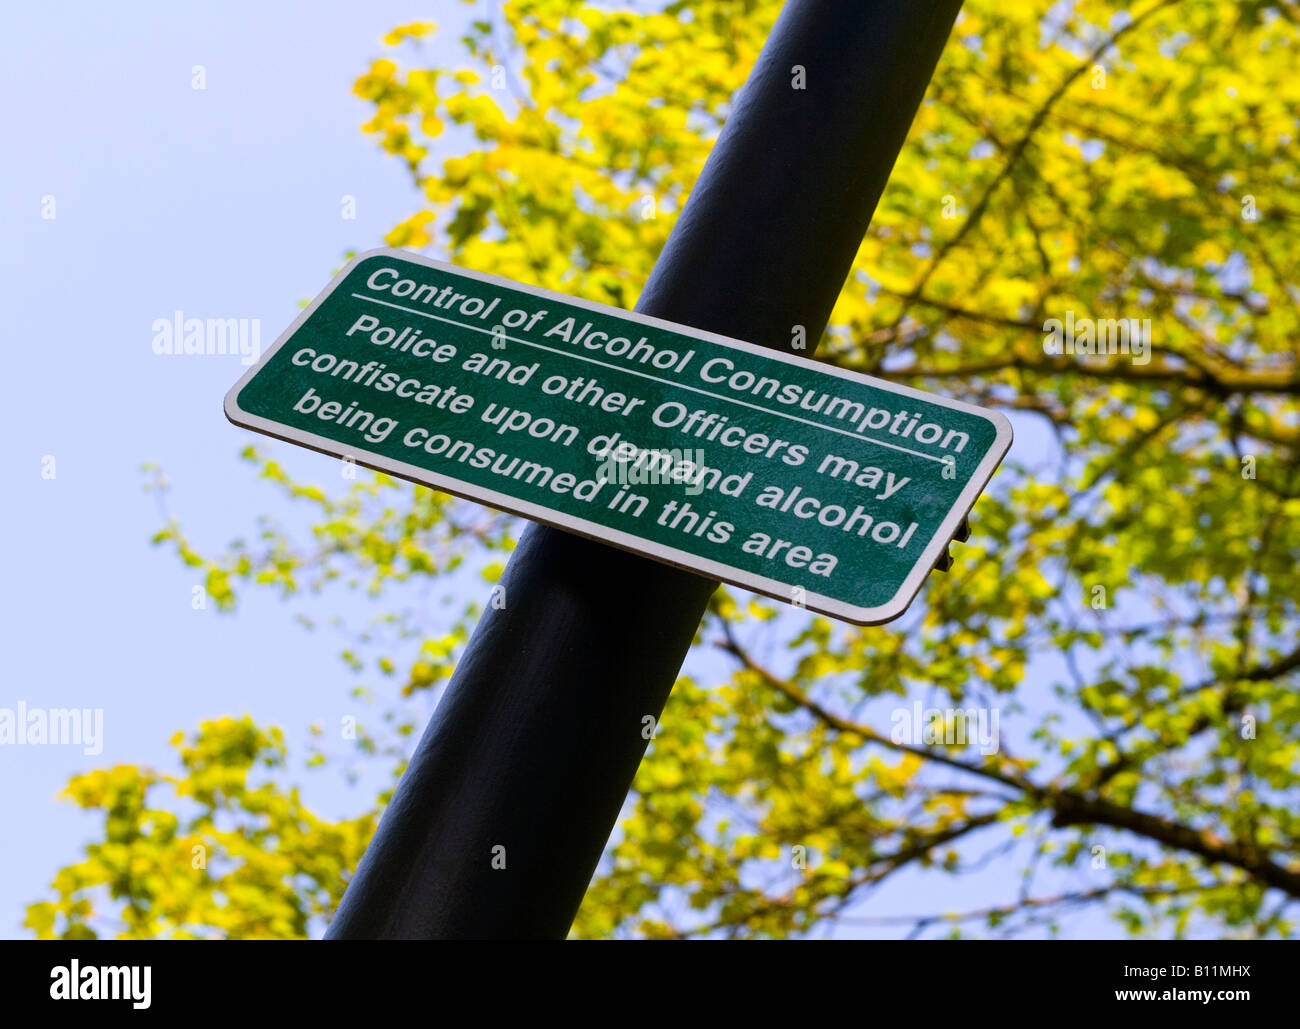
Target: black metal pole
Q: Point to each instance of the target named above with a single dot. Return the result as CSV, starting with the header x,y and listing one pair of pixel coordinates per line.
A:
x,y
537,739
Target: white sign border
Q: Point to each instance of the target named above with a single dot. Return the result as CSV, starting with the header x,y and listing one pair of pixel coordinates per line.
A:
x,y
775,588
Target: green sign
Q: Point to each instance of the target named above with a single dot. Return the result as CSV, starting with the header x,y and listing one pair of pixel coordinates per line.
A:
x,y
814,485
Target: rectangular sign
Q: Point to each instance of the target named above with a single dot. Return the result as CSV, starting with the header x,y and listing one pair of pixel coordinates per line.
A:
x,y
811,484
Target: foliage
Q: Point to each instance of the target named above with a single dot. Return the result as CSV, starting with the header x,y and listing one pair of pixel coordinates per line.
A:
x,y
212,853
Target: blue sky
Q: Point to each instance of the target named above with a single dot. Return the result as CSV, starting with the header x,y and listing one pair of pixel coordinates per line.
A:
x,y
224,202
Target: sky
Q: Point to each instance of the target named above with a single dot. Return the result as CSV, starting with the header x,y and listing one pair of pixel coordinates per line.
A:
x,y
220,202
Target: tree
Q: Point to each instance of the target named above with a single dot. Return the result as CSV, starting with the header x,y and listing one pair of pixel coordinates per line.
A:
x,y
1127,605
